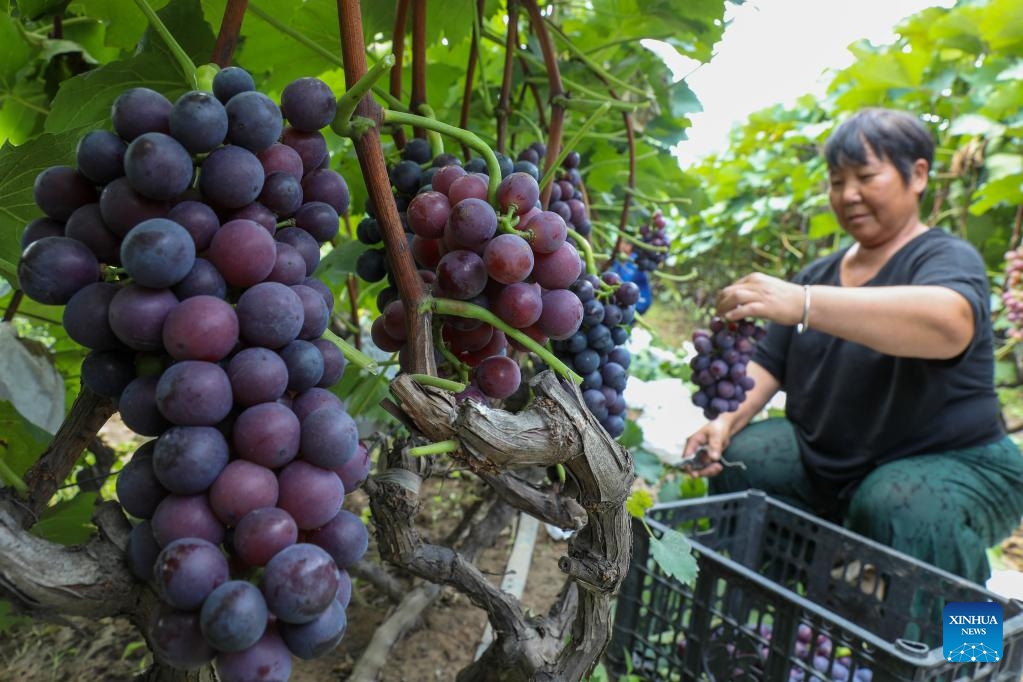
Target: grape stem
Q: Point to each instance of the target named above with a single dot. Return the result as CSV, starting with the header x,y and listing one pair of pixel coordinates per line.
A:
x,y
636,240
466,137
570,145
688,277
13,479
437,382
653,200
579,102
180,56
447,306
436,141
584,246
352,354
347,102
439,448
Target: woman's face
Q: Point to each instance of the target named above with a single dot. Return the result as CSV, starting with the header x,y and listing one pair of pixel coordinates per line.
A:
x,y
872,201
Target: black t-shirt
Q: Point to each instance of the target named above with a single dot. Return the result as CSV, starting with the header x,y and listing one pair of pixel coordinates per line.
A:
x,y
855,408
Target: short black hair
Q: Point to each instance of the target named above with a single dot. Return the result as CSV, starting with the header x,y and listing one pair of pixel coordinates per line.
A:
x,y
892,135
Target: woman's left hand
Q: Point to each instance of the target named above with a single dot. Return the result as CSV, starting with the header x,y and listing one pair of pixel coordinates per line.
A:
x,y
762,296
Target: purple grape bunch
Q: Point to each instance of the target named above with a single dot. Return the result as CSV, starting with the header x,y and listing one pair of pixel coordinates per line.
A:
x,y
182,246
1012,293
654,234
719,366
521,275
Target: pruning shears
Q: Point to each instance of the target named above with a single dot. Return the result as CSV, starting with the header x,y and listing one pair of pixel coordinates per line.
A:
x,y
696,462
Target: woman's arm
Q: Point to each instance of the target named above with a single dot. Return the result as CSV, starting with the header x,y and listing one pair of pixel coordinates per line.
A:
x,y
905,321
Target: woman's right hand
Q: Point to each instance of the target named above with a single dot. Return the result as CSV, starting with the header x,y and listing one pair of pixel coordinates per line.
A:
x,y
713,437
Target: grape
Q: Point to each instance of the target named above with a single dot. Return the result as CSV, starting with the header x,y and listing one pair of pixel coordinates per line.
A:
x,y
471,224
304,362
188,459
177,640
519,305
289,267
371,266
306,402
141,551
53,269
328,186
243,252
231,177
282,193
461,275
85,316
158,253
254,121
200,328
310,145
334,362
329,437
561,314
138,111
355,471
508,258
299,583
123,208
137,405
270,314
198,121
86,225
545,232
315,315
268,660
138,489
345,538
257,375
240,488
445,176
318,637
319,219
199,219
344,589
187,571
262,533
39,228
187,517
194,393
202,280
157,166
305,243
1012,293
311,494
233,617
100,156
267,434
518,191
308,104
108,372
428,214
417,149
279,157
257,213
471,186
230,81
559,269
498,376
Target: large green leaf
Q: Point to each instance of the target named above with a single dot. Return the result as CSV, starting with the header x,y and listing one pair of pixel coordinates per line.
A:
x,y
184,20
21,441
84,102
68,522
15,53
125,21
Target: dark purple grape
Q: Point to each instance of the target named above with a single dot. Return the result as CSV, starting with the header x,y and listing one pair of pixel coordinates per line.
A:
x,y
100,156
559,269
329,186
345,538
123,208
85,316
518,191
508,258
86,225
242,487
311,494
267,434
177,640
53,269
355,471
188,517
299,583
461,275
562,314
428,214
304,362
498,376
262,533
254,121
198,121
137,111
108,372
318,637
268,660
200,328
305,243
319,219
307,402
310,145
545,232
231,177
188,459
202,280
233,617
194,393
243,252
289,267
141,551
257,213
138,489
308,104
270,314
231,80
158,253
282,193
257,375
199,219
157,166
137,405
334,362
519,305
471,224
39,228
315,315
329,437
187,571
279,157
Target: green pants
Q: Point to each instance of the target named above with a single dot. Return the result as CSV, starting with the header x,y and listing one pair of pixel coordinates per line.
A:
x,y
944,508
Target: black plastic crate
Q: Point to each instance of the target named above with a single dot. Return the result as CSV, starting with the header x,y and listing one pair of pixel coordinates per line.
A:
x,y
773,577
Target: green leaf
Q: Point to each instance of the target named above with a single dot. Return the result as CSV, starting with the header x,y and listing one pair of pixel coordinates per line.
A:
x,y
648,466
639,501
674,555
339,263
15,53
21,441
184,20
68,522
37,9
125,21
84,102
633,435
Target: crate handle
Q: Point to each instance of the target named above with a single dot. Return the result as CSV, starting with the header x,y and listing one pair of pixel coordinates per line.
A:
x,y
912,646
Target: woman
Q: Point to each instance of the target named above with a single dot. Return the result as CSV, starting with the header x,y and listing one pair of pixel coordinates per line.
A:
x,y
884,350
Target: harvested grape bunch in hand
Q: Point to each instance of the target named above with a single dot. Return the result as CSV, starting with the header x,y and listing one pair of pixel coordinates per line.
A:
x,y
719,366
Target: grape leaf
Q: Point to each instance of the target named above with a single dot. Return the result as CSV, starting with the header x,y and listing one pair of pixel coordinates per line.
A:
x,y
125,21
639,501
674,555
68,522
22,441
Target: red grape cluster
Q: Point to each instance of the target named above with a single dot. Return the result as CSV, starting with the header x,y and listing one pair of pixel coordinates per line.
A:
x,y
654,234
182,246
1012,294
520,273
719,366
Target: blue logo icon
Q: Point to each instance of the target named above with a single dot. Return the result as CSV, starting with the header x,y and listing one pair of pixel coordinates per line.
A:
x,y
972,631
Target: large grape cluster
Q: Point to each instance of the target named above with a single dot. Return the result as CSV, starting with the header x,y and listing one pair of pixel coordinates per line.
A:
x,y
513,259
182,246
719,366
1012,294
597,351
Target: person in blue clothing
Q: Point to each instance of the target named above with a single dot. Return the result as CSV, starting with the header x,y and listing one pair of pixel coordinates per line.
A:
x,y
884,350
